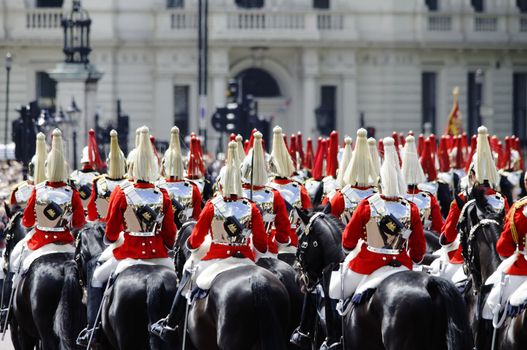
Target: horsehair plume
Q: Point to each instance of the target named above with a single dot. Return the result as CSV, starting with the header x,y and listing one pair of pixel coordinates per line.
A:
x,y
412,169
345,161
240,152
392,181
145,163
116,159
56,168
173,160
280,155
484,165
39,159
360,167
255,163
232,184
375,160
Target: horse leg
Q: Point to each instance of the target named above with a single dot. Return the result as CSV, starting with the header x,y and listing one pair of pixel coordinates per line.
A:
x,y
23,340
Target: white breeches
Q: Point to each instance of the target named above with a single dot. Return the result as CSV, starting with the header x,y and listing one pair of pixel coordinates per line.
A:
x,y
447,270
500,294
350,280
19,253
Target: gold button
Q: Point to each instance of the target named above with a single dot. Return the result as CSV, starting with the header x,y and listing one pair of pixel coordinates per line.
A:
x,y
384,258
54,237
143,252
46,236
143,244
153,250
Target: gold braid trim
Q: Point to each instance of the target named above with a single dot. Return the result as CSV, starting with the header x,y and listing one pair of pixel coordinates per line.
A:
x,y
514,231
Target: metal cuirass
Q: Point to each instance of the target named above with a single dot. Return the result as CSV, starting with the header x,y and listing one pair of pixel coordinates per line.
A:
x,y
53,207
290,192
105,187
424,203
239,209
264,198
22,193
352,197
377,239
496,201
200,183
144,211
330,184
180,191
83,182
430,187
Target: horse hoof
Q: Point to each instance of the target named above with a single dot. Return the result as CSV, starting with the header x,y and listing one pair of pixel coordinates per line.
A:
x,y
301,340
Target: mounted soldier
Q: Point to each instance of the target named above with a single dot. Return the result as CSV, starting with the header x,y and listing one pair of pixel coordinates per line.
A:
x,y
82,178
184,194
384,235
313,184
269,200
360,181
414,176
139,227
293,193
104,185
329,182
220,241
511,171
482,177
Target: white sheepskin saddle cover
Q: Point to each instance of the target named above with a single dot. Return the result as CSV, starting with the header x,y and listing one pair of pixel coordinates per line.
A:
x,y
212,268
47,249
376,277
519,297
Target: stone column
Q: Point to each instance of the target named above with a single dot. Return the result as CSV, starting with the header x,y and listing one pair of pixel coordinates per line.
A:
x,y
219,73
79,82
310,96
163,106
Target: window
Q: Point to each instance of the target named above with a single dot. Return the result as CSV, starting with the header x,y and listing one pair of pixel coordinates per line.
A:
x,y
428,100
46,91
475,95
326,112
49,3
478,5
258,82
175,3
433,5
250,4
522,5
181,108
519,105
321,4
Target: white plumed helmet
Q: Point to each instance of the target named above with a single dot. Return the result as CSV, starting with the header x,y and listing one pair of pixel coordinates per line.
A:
x,y
145,165
280,157
392,181
253,167
484,164
173,160
412,169
231,184
116,159
56,166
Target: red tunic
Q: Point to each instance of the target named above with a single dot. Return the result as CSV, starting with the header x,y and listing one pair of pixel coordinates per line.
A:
x,y
506,245
435,211
449,229
222,251
41,238
282,231
367,261
135,247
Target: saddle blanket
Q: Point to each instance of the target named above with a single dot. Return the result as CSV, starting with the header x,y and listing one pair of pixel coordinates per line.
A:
x,y
208,270
47,249
373,280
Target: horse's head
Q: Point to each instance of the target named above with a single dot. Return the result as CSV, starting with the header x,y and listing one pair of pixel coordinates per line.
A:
x,y
89,247
319,245
479,228
181,252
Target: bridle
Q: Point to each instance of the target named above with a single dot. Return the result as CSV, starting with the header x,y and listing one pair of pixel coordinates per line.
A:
x,y
308,278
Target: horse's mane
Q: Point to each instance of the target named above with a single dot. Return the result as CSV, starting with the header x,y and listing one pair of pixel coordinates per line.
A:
x,y
335,227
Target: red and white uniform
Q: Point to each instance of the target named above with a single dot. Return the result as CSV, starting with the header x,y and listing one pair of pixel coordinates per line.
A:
x,y
102,188
428,208
223,246
185,193
20,194
83,180
508,243
344,201
274,214
52,209
140,242
371,256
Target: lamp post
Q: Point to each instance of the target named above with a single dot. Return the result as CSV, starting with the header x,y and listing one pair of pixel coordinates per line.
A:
x,y
8,64
73,113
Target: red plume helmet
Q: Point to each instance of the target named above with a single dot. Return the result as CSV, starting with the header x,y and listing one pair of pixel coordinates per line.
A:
x,y
443,155
427,161
292,150
309,157
300,148
333,163
420,144
93,152
196,168
318,166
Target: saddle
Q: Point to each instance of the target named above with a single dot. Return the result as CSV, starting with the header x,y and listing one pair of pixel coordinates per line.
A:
x,y
369,284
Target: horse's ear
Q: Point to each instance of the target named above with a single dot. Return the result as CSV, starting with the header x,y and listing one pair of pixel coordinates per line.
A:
x,y
7,210
303,215
327,209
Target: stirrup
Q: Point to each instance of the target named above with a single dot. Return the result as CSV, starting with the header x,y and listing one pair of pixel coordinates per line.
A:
x,y
333,346
163,331
300,339
84,336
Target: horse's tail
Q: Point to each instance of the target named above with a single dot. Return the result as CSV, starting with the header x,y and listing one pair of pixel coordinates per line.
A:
x,y
270,333
158,302
70,315
449,301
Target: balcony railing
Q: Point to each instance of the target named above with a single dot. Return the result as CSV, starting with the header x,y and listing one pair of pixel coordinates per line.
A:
x,y
183,20
257,20
330,21
439,23
485,23
43,18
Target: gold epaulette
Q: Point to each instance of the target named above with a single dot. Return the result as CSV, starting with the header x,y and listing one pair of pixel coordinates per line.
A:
x,y
514,231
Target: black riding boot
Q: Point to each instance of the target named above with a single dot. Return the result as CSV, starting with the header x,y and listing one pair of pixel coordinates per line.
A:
x,y
95,296
6,285
166,328
303,334
333,327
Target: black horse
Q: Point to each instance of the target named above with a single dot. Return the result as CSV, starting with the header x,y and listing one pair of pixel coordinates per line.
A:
x,y
409,310
285,322
480,228
47,305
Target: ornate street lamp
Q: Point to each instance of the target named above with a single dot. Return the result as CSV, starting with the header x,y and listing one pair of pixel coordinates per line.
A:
x,y
8,65
77,34
73,112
